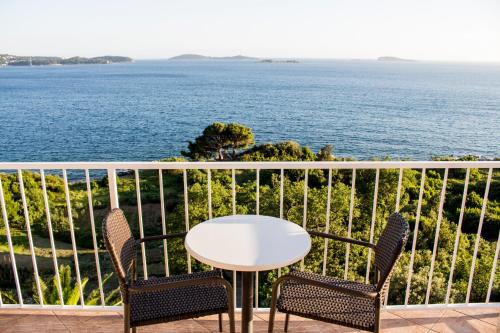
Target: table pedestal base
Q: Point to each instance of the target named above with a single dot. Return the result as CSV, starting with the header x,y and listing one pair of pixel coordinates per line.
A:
x,y
247,302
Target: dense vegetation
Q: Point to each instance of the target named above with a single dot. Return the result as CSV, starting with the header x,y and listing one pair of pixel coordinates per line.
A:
x,y
221,148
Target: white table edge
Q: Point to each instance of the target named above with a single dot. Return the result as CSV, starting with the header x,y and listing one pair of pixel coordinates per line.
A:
x,y
231,267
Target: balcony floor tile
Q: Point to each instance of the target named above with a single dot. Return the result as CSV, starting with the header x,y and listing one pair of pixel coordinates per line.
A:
x,y
454,321
490,316
408,321
423,318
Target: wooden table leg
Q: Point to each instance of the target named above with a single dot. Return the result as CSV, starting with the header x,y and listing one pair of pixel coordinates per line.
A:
x,y
247,302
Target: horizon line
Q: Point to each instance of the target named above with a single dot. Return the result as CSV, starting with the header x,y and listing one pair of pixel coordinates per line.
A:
x,y
402,59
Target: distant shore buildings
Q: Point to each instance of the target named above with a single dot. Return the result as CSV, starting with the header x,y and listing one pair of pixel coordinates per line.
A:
x,y
13,60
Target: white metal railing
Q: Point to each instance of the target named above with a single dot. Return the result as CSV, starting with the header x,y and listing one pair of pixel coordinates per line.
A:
x,y
112,167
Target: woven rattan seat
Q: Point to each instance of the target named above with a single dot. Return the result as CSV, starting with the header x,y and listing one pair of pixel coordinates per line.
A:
x,y
183,303
313,302
162,299
338,301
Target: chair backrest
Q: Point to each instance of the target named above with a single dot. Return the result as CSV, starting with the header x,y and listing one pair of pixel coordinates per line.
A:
x,y
119,242
389,247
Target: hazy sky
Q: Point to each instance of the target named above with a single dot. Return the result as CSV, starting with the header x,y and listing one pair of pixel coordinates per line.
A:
x,y
458,30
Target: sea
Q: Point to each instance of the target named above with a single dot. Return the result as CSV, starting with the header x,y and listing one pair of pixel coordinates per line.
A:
x,y
150,109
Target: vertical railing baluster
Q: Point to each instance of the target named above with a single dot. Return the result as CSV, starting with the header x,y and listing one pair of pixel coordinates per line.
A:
x,y
141,226
457,236
478,235
72,235
113,189
11,246
372,225
209,193
304,214
51,237
257,205
327,219
233,200
436,236
398,193
282,176
233,190
493,270
186,212
415,234
398,196
209,197
257,194
94,238
30,237
163,222
349,227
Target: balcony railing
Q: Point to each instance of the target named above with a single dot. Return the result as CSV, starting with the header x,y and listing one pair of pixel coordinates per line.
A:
x,y
351,169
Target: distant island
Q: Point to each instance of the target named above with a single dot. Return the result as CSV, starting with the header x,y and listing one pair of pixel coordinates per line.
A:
x,y
195,57
13,60
394,59
202,57
279,61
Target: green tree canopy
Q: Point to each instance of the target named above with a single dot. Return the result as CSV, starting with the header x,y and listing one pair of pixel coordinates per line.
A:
x,y
281,151
220,141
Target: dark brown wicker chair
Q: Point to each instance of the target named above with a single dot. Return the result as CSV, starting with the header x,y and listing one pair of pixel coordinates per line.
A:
x,y
338,301
164,299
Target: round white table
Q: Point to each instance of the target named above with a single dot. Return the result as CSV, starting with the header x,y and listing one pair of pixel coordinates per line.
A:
x,y
247,243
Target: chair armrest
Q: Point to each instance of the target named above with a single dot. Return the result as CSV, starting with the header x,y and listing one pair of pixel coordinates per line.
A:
x,y
159,237
342,239
178,284
347,291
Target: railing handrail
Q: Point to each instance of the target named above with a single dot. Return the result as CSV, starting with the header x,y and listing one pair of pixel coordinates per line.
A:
x,y
251,165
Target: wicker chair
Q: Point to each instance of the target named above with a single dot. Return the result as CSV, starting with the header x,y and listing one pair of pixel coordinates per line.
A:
x,y
164,299
342,302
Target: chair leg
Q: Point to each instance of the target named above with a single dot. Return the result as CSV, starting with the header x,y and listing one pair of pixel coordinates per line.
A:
x,y
126,318
272,309
220,322
377,315
287,319
232,324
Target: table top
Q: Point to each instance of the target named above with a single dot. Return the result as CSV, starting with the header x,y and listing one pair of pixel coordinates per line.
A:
x,y
248,242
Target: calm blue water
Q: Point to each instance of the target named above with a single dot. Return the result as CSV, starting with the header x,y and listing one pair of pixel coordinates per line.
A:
x,y
150,109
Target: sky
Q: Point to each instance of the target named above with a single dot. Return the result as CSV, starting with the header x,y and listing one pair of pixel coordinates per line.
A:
x,y
439,30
